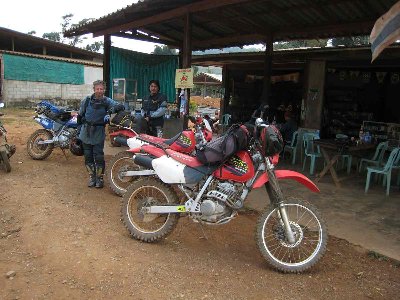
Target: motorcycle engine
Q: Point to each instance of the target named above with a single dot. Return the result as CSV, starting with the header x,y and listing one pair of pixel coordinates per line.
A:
x,y
221,201
65,137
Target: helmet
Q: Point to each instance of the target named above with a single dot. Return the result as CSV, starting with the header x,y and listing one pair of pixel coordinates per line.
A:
x,y
76,147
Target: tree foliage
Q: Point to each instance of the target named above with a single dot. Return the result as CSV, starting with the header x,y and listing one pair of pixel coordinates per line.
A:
x,y
351,41
300,44
33,32
164,50
75,40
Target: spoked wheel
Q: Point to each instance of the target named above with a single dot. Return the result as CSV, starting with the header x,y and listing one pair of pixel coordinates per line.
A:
x,y
141,225
310,237
37,151
5,161
121,162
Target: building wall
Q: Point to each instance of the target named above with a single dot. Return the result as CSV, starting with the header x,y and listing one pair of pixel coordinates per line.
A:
x,y
23,93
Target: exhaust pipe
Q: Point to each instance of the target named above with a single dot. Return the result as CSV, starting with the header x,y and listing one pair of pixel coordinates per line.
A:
x,y
144,161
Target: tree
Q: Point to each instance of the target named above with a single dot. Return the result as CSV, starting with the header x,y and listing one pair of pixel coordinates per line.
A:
x,y
52,36
163,50
300,44
73,41
33,32
351,41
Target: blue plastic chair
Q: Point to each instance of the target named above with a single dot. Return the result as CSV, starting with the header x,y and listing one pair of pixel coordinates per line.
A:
x,y
292,148
345,157
386,170
376,160
310,151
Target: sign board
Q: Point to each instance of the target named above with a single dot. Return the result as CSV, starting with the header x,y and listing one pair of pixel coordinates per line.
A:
x,y
184,79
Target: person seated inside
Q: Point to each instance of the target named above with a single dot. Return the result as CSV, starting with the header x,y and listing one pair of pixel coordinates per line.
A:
x,y
288,128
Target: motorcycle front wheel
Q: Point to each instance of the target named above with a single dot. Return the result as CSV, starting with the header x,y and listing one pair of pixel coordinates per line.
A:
x,y
121,162
310,237
6,161
144,193
37,151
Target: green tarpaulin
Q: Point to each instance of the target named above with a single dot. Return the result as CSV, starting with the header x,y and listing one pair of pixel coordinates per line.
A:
x,y
143,68
35,69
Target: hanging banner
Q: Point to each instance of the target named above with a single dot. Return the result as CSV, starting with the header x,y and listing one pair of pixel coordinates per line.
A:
x,y
386,30
380,76
366,77
184,79
395,78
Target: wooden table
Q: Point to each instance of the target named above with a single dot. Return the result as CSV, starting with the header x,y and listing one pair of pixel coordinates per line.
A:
x,y
336,149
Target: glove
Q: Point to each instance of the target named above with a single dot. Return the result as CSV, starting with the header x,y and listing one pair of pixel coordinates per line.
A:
x,y
106,118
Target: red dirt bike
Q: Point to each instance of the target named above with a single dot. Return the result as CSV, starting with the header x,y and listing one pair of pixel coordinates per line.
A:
x,y
6,150
290,234
123,170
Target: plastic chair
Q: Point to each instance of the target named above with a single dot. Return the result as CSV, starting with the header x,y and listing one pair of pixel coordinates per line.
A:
x,y
292,148
226,119
376,160
310,151
345,157
386,170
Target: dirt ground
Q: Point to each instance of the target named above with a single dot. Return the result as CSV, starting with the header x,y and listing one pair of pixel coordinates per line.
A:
x,y
60,239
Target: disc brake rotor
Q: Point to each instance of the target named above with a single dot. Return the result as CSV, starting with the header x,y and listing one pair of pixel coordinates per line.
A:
x,y
297,234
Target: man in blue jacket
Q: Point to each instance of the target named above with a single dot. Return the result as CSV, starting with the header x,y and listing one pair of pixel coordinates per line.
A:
x,y
153,110
94,114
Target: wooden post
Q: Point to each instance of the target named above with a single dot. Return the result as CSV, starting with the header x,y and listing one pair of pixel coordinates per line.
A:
x,y
106,64
187,57
266,92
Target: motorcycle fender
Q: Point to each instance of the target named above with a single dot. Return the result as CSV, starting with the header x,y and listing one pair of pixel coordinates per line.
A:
x,y
135,143
124,132
134,150
46,123
287,174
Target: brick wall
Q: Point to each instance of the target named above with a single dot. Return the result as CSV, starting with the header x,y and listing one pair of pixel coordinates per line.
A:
x,y
28,93
21,93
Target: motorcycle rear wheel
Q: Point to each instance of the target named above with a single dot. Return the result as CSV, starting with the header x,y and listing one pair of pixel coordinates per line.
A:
x,y
6,161
309,231
121,162
148,227
39,152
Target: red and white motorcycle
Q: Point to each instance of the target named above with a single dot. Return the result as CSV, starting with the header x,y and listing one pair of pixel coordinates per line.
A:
x,y
290,234
123,170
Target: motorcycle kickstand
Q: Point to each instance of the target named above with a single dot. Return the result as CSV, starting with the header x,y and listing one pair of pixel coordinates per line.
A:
x,y
202,230
65,155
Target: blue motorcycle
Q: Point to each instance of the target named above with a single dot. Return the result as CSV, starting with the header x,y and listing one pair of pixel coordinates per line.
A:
x,y
60,130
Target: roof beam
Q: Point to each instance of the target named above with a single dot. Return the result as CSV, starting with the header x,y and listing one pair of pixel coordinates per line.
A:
x,y
145,38
168,15
221,42
321,31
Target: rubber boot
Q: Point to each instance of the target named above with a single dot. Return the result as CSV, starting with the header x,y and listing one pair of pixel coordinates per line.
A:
x,y
92,175
99,177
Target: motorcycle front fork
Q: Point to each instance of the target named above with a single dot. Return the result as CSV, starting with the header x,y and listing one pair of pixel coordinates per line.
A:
x,y
276,197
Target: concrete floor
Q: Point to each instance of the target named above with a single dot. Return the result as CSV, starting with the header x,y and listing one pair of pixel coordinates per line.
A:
x,y
371,220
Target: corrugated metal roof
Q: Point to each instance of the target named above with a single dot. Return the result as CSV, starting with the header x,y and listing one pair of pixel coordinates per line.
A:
x,y
49,57
217,24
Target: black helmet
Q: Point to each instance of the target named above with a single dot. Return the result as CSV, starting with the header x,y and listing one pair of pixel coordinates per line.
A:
x,y
76,146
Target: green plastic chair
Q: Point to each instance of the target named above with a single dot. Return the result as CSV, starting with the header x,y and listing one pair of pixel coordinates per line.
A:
x,y
225,121
376,160
386,170
345,157
310,151
292,148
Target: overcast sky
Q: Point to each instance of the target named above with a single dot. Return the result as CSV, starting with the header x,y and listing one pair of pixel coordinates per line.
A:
x,y
45,16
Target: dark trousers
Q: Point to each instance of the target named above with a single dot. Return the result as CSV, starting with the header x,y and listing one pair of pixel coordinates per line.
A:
x,y
94,154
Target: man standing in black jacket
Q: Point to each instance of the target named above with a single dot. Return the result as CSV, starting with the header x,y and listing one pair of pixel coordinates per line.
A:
x,y
153,111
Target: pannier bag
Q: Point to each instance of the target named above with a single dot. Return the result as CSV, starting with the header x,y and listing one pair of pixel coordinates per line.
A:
x,y
123,118
235,139
271,141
